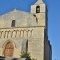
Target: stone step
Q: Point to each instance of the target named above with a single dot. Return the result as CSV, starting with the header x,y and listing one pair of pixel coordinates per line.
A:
x,y
9,58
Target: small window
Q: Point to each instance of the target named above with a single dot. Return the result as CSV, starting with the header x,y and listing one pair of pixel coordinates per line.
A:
x,y
13,23
38,9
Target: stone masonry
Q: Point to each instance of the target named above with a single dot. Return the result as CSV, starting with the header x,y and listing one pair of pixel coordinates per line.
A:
x,y
25,32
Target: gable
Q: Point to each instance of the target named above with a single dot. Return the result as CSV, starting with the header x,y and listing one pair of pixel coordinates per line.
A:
x,y
22,19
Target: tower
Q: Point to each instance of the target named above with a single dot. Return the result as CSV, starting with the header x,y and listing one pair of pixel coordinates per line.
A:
x,y
39,10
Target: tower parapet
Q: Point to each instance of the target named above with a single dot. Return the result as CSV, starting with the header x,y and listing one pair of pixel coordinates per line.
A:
x,y
39,2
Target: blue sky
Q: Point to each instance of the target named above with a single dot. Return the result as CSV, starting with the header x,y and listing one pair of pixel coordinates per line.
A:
x,y
53,19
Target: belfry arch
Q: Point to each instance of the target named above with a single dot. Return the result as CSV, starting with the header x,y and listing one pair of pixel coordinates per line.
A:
x,y
9,49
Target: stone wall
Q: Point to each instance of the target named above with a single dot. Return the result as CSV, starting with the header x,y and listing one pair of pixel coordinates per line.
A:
x,y
47,49
34,35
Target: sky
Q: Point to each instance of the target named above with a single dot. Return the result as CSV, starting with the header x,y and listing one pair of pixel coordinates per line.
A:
x,y
53,7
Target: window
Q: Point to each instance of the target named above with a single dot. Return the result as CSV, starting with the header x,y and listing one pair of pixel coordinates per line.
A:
x,y
38,9
13,23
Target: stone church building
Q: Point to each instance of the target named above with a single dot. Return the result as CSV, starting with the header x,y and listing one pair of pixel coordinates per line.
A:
x,y
22,32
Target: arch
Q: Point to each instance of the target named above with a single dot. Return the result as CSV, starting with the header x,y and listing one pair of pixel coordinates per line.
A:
x,y
9,49
6,33
37,9
9,40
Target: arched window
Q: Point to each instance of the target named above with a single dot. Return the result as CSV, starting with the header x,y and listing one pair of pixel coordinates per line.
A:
x,y
38,9
13,23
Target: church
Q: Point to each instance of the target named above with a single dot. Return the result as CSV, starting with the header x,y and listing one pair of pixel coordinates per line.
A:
x,y
22,32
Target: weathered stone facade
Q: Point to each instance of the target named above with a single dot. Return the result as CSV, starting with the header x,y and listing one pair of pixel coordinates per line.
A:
x,y
28,33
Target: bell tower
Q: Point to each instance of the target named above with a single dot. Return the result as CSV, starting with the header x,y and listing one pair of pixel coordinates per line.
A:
x,y
39,10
